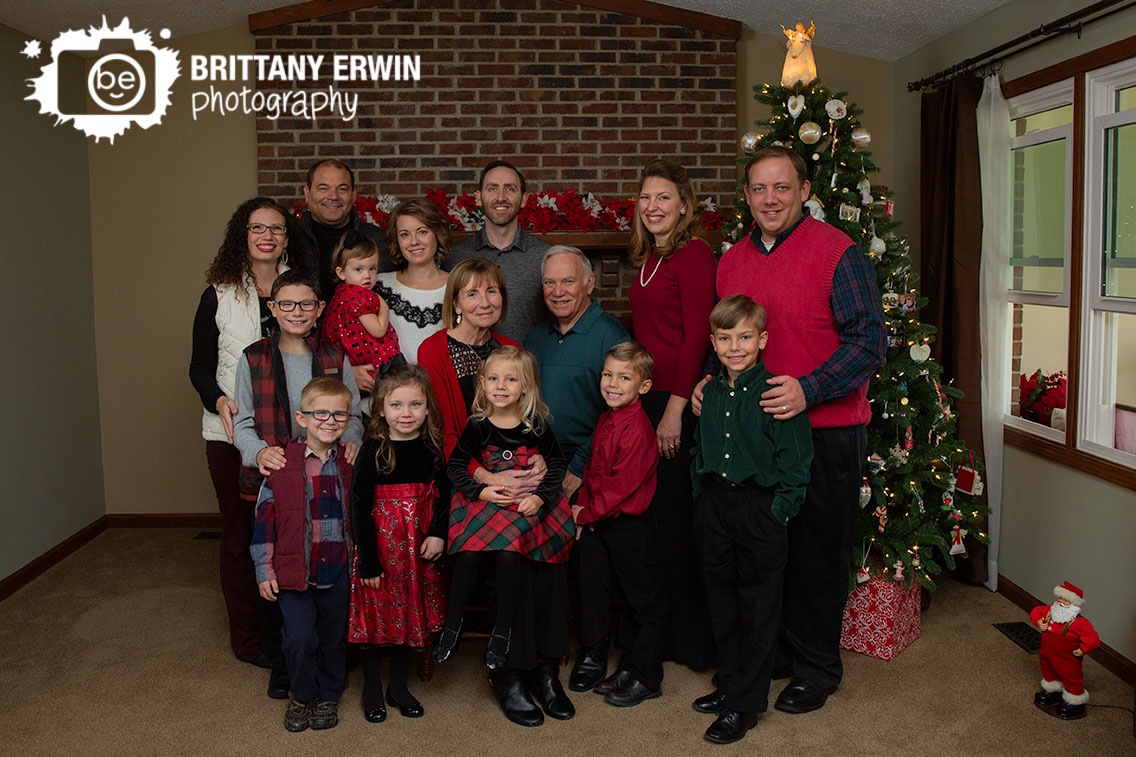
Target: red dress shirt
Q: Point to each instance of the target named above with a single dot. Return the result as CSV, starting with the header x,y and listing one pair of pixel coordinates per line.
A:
x,y
619,478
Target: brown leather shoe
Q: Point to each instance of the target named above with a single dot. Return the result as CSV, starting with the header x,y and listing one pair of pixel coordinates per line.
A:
x,y
298,716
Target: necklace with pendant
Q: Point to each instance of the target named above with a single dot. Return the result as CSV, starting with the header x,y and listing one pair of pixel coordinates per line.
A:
x,y
644,268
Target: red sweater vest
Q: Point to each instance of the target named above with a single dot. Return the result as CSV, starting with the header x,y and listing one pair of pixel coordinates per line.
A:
x,y
794,284
293,515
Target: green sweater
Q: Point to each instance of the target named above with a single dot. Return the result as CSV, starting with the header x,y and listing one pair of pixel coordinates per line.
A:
x,y
738,442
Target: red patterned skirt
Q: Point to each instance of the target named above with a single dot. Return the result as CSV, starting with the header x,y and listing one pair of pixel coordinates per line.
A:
x,y
410,603
478,526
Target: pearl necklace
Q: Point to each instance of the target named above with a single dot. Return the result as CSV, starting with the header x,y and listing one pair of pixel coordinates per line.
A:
x,y
649,278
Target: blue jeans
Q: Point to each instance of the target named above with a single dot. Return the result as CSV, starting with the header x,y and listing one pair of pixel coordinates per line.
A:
x,y
315,639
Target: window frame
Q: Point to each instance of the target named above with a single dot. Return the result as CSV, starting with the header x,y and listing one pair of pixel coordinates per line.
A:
x,y
1096,76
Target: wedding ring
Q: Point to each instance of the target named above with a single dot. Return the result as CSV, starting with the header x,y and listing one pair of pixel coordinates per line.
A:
x,y
784,408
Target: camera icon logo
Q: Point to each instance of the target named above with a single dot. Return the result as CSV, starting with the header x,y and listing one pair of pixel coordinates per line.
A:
x,y
128,83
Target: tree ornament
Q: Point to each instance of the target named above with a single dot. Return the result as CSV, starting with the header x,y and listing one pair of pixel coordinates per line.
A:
x,y
968,481
948,501
863,574
898,569
836,109
749,141
957,535
889,299
875,462
920,352
877,246
881,512
899,453
865,493
861,138
799,64
816,207
908,438
849,213
915,560
795,104
809,132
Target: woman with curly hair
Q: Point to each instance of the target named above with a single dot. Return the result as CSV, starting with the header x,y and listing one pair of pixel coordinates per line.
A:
x,y
231,315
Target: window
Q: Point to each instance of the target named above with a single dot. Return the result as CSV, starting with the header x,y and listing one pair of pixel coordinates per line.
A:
x,y
1109,317
1072,262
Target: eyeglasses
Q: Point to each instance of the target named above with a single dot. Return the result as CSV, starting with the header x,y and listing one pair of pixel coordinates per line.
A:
x,y
287,306
260,228
340,416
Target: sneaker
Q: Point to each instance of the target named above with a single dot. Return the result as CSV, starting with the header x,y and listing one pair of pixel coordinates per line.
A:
x,y
298,716
324,715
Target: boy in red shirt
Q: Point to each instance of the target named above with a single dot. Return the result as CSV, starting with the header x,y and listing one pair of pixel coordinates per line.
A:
x,y
616,548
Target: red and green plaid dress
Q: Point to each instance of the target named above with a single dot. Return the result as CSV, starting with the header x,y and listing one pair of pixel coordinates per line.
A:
x,y
479,526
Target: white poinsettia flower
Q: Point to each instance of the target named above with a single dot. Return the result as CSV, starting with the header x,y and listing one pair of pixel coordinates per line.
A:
x,y
623,223
592,204
545,201
387,203
708,204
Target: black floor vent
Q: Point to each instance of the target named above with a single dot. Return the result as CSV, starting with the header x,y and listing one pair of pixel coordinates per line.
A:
x,y
1023,634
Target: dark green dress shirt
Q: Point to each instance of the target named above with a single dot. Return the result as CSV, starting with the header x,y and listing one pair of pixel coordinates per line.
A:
x,y
570,368
739,443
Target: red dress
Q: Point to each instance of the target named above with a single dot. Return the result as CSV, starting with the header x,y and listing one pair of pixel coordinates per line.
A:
x,y
410,603
341,327
479,526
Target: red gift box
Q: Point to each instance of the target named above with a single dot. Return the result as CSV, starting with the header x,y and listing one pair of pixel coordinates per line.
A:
x,y
881,618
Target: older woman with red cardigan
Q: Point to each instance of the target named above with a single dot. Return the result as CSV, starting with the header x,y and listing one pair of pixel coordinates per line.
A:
x,y
671,299
475,301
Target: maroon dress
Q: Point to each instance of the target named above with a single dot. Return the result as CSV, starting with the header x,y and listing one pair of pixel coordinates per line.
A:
x,y
393,514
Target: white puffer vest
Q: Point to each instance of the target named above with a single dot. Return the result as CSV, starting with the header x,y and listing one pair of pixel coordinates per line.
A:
x,y
238,322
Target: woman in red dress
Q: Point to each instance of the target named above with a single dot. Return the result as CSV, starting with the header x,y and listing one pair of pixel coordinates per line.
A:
x,y
671,299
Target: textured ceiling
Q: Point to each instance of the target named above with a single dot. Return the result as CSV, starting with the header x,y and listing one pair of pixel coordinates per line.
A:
x,y
881,29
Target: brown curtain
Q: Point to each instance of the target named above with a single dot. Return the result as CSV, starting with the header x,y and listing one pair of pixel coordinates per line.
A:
x,y
951,249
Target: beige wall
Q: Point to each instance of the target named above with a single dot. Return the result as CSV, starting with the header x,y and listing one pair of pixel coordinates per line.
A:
x,y
53,482
160,199
867,81
1057,524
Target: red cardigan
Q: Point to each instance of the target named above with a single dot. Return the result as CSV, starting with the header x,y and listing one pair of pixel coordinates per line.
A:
x,y
434,356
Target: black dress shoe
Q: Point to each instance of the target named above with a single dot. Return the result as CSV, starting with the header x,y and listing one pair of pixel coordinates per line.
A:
x,y
514,697
548,691
1047,698
261,661
409,709
711,704
1067,711
447,644
590,667
730,726
802,696
632,693
612,682
278,683
375,714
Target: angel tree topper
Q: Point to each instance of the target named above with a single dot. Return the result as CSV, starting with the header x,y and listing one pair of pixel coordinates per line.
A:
x,y
799,63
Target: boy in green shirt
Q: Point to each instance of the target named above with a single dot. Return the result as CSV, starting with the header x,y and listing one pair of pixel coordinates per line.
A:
x,y
749,474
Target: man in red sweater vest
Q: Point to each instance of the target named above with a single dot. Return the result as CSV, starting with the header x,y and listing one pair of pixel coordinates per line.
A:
x,y
826,328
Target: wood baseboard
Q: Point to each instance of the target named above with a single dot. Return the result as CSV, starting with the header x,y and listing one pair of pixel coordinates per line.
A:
x,y
1113,661
164,520
26,574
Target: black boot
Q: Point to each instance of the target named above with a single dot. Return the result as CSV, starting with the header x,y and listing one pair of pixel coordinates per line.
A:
x,y
548,691
510,690
1046,698
590,667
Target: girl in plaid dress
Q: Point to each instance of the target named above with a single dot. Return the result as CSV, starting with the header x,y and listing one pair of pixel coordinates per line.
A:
x,y
399,515
507,426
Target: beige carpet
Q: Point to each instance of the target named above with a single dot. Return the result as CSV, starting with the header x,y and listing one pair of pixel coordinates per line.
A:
x,y
121,649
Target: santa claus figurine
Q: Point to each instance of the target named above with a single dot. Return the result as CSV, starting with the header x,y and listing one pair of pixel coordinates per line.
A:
x,y
1066,638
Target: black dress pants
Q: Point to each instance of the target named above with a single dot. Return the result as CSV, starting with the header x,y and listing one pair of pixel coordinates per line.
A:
x,y
820,557
617,560
744,552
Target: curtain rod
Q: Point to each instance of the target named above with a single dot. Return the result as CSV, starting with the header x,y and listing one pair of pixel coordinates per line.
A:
x,y
1074,22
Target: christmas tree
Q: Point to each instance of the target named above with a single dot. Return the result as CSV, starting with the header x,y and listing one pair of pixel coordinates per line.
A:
x,y
918,498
